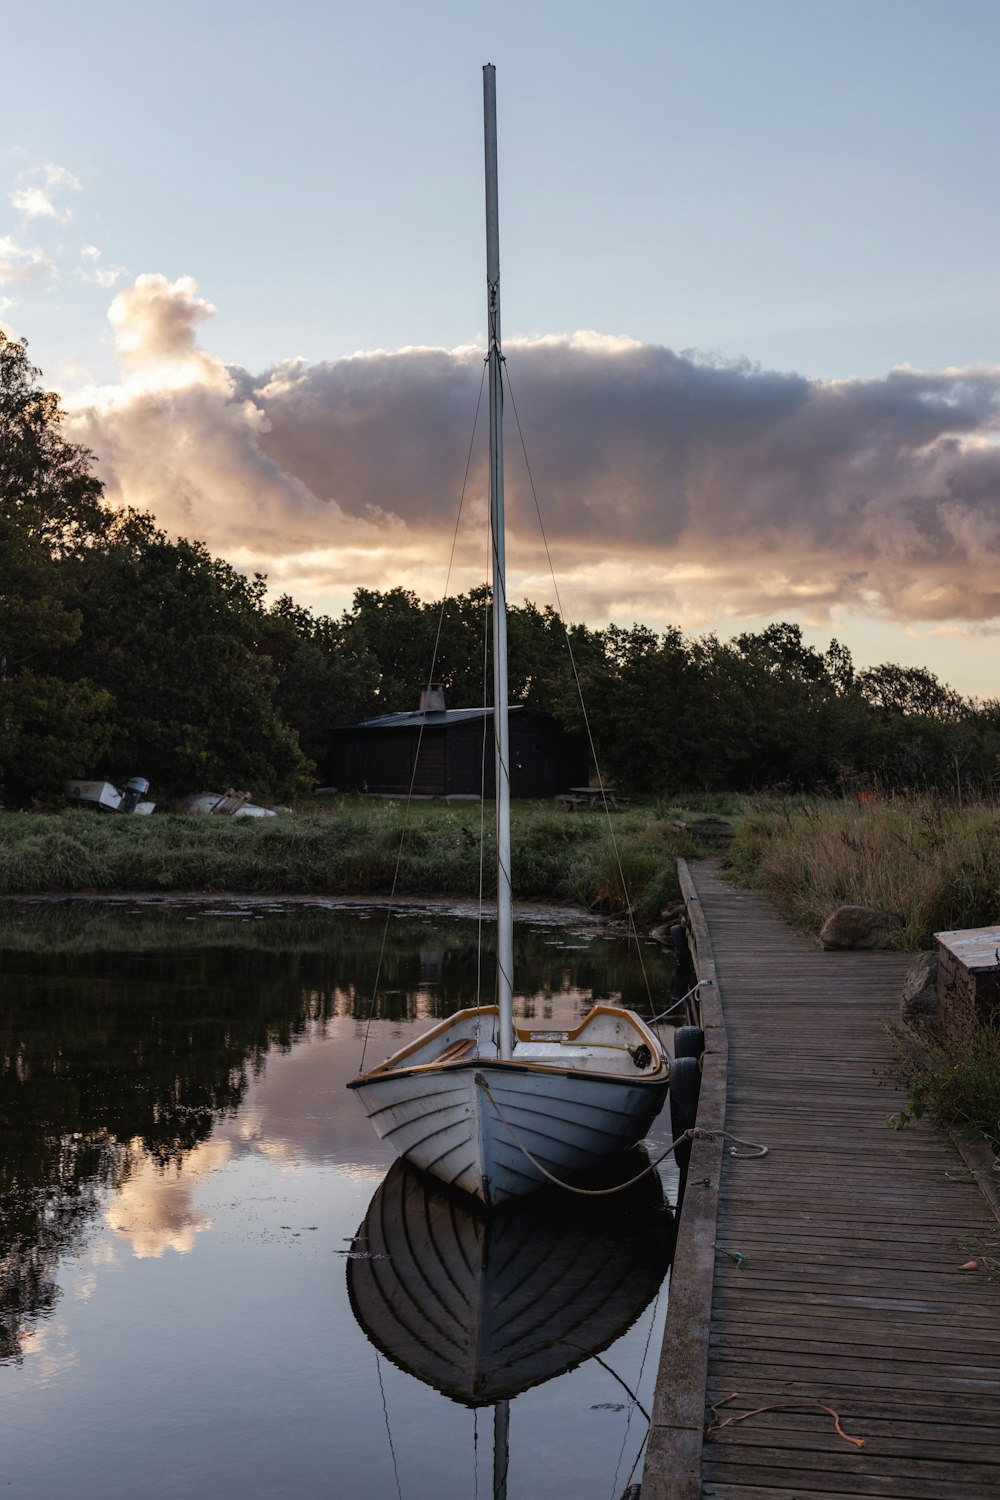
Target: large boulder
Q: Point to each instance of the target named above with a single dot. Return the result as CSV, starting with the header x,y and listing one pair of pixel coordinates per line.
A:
x,y
919,1002
859,927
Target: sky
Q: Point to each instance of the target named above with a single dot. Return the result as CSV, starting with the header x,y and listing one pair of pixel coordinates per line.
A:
x,y
749,283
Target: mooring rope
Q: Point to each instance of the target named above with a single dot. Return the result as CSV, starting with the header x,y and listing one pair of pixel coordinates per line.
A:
x,y
678,1003
635,1399
694,1134
388,1429
714,1427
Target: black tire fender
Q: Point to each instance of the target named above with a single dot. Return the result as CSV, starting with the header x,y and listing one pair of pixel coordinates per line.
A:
x,y
685,1085
689,1041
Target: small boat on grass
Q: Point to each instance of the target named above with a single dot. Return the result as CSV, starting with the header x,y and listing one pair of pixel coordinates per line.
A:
x,y
104,796
231,804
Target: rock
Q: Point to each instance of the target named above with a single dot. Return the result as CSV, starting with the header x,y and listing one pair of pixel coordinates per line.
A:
x,y
919,1002
662,935
859,927
675,913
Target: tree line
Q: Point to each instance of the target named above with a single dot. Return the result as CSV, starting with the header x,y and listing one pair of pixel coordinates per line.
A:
x,y
123,652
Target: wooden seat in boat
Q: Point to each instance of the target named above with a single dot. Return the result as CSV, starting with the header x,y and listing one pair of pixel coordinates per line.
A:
x,y
464,1047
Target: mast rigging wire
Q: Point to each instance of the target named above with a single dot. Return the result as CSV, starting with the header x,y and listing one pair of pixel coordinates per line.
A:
x,y
630,915
420,735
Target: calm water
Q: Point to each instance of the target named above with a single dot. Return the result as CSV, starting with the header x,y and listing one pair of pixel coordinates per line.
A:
x,y
205,1287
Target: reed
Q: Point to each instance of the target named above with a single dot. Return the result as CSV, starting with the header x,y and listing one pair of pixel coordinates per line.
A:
x,y
935,863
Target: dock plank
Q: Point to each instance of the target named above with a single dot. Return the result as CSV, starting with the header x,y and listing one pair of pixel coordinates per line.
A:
x,y
831,1268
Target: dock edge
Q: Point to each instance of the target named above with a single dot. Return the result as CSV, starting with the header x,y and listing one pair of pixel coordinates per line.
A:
x,y
672,1469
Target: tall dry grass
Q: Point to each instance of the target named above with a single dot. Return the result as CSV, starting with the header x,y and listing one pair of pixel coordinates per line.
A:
x,y
933,862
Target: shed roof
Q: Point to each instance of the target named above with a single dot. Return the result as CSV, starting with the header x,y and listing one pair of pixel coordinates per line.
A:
x,y
435,718
974,947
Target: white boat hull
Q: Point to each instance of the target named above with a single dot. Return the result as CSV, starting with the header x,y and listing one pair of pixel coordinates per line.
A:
x,y
488,1127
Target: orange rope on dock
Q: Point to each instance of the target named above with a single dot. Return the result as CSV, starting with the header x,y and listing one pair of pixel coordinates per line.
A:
x,y
715,1427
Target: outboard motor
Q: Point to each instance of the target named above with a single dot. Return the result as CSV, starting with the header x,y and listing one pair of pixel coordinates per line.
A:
x,y
135,791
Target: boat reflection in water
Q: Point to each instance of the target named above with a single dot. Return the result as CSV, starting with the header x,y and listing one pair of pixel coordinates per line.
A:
x,y
483,1305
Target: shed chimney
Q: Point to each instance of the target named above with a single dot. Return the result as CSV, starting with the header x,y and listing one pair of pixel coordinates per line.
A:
x,y
432,699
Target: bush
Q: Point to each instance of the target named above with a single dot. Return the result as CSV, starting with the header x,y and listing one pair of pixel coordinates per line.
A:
x,y
960,1084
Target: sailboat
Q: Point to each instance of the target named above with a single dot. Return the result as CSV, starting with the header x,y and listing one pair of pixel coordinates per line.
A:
x,y
490,1109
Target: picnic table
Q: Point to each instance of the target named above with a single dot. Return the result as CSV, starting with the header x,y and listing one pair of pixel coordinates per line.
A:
x,y
598,797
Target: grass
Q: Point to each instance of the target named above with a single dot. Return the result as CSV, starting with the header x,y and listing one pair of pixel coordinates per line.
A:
x,y
959,1082
351,847
934,863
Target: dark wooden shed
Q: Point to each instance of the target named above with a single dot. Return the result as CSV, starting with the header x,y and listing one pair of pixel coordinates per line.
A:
x,y
378,755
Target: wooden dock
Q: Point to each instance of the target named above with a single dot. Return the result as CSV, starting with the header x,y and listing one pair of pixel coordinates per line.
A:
x,y
827,1273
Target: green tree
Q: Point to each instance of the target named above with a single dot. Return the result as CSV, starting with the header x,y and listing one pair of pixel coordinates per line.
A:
x,y
541,668
325,673
403,643
50,727
911,690
638,688
173,634
392,629
46,483
771,710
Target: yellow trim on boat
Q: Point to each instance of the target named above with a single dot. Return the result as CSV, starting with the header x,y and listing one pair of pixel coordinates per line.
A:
x,y
397,1062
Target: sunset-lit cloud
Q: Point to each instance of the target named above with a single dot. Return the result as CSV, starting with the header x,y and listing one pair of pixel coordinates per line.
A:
x,y
181,435
668,483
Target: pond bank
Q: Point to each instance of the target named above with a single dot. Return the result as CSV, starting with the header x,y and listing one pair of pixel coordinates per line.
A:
x,y
352,849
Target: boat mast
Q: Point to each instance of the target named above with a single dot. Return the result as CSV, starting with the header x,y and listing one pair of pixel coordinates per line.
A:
x,y
501,738
501,1449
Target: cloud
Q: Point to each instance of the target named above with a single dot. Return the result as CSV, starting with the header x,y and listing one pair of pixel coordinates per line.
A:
x,y
181,436
105,276
155,1211
672,485
23,267
34,197
155,325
